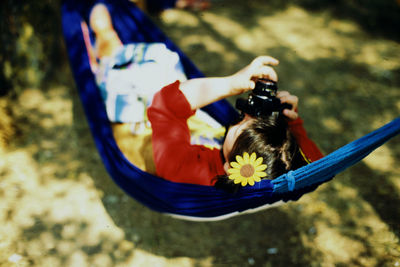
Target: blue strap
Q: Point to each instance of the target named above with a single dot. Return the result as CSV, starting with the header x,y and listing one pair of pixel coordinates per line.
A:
x,y
291,182
337,161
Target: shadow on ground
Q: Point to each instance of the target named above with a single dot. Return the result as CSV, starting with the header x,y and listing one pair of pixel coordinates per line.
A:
x,y
60,207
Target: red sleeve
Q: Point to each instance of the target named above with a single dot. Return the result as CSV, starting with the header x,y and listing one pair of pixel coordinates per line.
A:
x,y
175,158
309,148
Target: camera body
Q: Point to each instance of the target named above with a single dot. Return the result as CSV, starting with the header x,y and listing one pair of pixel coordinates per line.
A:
x,y
262,101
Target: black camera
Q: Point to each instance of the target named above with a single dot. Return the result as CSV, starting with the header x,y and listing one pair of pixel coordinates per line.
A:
x,y
262,101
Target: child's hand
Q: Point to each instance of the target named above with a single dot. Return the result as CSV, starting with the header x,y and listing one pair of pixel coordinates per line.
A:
x,y
204,91
293,100
244,80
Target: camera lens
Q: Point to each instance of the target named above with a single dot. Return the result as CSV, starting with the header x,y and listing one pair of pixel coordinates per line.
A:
x,y
266,88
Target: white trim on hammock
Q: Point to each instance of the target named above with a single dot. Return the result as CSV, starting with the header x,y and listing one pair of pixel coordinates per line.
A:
x,y
225,216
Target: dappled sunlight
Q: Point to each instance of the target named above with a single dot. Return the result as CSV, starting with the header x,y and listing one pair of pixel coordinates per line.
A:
x,y
349,231
60,222
396,182
245,39
59,207
333,124
398,106
385,116
54,213
54,217
184,19
211,45
379,53
382,160
306,34
314,35
143,258
29,53
337,245
52,113
331,64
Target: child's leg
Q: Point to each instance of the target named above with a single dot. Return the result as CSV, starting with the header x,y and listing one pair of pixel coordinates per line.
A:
x,y
107,40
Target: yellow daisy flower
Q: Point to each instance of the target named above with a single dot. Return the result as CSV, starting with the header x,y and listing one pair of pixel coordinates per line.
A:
x,y
247,169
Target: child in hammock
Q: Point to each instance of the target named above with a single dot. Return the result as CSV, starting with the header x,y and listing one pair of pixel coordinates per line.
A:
x,y
254,148
128,75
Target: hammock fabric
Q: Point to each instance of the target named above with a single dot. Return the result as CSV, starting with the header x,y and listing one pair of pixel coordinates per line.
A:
x,y
188,201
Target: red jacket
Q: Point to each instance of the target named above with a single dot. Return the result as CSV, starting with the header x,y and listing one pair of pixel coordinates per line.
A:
x,y
176,159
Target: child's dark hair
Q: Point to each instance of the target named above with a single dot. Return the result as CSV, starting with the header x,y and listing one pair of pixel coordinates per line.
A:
x,y
270,138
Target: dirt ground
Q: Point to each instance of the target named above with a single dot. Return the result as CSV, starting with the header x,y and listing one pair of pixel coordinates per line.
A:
x,y
59,207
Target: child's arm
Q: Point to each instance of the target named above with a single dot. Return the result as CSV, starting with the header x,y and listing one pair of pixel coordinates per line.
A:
x,y
203,91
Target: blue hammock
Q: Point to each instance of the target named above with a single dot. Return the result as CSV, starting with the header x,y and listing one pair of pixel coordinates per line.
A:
x,y
187,200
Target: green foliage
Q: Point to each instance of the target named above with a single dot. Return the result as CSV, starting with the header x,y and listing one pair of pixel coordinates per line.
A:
x,y
31,43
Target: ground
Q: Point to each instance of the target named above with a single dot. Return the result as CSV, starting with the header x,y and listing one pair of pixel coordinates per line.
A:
x,y
59,207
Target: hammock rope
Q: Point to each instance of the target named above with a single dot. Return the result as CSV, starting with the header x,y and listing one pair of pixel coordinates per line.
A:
x,y
187,201
338,160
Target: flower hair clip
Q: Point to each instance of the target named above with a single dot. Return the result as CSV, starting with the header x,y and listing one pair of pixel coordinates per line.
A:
x,y
247,169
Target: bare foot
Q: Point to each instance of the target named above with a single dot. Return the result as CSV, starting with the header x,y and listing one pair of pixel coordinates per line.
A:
x,y
107,40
